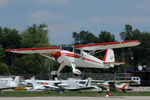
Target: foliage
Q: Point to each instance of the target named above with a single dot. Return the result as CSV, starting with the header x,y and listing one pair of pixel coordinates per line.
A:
x,y
105,36
136,53
29,64
2,54
35,36
84,37
4,70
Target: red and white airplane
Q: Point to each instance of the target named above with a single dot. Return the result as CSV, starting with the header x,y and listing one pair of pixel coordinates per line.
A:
x,y
77,56
114,86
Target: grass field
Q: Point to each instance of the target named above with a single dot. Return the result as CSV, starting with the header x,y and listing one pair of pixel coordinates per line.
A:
x,y
90,94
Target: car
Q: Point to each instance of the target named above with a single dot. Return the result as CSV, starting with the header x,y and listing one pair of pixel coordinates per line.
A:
x,y
136,80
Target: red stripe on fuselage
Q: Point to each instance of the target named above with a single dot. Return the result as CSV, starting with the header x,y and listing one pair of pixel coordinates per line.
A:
x,y
78,56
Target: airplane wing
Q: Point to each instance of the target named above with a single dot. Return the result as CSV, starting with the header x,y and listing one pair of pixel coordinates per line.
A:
x,y
103,87
81,88
34,50
51,87
6,88
103,46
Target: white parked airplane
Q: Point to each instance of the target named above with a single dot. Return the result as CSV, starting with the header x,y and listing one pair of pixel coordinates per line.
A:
x,y
76,56
8,83
64,85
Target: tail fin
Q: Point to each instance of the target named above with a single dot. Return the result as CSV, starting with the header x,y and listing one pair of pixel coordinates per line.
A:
x,y
124,86
34,83
88,82
15,82
16,79
109,57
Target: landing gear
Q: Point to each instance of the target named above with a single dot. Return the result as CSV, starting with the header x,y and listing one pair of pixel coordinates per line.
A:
x,y
108,93
74,70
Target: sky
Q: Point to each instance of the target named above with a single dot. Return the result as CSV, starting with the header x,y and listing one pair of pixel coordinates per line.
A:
x,y
63,17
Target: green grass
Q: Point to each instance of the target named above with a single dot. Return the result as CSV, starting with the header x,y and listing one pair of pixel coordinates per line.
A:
x,y
90,94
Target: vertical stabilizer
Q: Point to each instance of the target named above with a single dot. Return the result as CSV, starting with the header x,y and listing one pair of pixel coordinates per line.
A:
x,y
34,83
109,57
88,82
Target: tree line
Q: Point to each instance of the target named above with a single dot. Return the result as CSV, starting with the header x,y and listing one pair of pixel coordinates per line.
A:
x,y
37,36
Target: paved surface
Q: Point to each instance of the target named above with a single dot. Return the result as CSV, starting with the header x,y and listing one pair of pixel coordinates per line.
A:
x,y
139,88
79,98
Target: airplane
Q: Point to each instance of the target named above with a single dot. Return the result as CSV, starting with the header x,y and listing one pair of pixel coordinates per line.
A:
x,y
113,86
76,56
8,83
64,85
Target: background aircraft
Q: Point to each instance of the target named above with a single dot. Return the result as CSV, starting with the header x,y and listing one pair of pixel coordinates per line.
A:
x,y
114,86
76,56
8,83
64,85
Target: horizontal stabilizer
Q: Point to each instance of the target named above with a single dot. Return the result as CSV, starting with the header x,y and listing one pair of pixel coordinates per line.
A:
x,y
115,63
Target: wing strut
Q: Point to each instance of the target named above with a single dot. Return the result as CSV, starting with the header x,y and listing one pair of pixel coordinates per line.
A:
x,y
47,56
62,65
74,70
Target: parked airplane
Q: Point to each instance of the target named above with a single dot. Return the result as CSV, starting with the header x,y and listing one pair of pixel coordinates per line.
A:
x,y
64,85
76,56
8,83
112,86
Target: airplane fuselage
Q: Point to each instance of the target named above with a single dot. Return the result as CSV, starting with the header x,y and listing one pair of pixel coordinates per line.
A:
x,y
80,60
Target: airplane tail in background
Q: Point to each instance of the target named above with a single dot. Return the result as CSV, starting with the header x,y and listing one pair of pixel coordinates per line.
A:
x,y
34,83
16,79
124,87
109,59
88,82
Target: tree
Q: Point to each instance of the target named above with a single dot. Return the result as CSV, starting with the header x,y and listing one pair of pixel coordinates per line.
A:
x,y
35,36
84,37
136,54
105,36
2,54
4,69
11,38
29,64
127,34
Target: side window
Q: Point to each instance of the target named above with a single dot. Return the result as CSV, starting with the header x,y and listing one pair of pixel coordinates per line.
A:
x,y
77,51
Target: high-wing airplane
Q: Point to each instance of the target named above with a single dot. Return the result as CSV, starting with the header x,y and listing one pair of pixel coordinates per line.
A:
x,y
76,56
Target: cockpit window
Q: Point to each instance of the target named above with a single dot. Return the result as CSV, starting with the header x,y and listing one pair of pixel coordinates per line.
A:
x,y
67,48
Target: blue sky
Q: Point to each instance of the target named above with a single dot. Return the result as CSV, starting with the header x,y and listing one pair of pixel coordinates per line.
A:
x,y
66,16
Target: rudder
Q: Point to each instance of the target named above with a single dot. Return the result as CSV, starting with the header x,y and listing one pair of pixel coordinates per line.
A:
x,y
109,57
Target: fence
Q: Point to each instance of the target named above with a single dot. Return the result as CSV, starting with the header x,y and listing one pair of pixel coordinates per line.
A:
x,y
95,76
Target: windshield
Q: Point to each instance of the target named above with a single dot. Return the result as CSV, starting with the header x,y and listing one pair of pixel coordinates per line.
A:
x,y
67,48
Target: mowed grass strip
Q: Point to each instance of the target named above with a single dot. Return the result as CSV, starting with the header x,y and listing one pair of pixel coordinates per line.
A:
x,y
85,93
